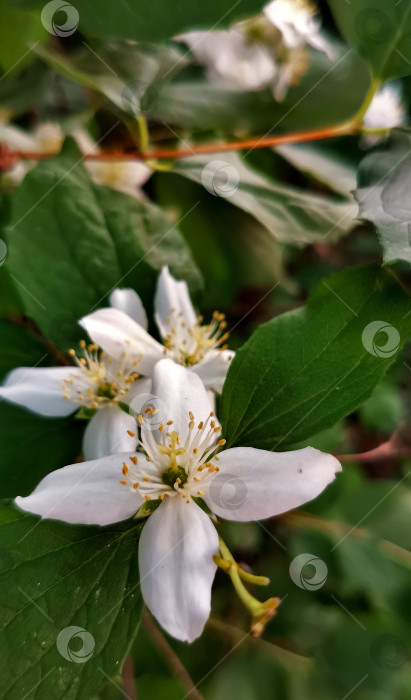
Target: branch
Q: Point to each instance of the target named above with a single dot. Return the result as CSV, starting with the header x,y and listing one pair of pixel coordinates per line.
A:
x,y
171,658
129,683
9,158
384,451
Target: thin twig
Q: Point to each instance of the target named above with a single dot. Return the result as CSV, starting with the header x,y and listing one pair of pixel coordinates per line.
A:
x,y
383,451
171,658
129,683
8,157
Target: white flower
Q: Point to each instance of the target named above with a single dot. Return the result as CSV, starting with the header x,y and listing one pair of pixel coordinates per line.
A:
x,y
385,111
97,382
187,342
298,24
177,463
232,56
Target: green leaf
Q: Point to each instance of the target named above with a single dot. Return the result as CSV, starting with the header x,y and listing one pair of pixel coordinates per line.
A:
x,y
384,181
53,577
19,348
71,242
304,370
203,105
327,167
380,30
153,21
290,214
18,32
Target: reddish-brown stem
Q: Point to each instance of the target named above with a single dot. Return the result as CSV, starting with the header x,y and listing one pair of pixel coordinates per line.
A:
x,y
7,156
129,683
171,658
383,451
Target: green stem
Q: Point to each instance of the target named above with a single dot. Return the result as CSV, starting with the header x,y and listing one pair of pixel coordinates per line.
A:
x,y
375,85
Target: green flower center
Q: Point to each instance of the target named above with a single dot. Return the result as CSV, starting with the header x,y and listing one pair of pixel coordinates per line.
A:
x,y
170,476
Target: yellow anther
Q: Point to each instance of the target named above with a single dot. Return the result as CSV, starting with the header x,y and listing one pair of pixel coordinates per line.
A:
x,y
134,460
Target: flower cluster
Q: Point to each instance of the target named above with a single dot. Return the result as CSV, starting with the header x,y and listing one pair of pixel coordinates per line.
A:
x,y
176,473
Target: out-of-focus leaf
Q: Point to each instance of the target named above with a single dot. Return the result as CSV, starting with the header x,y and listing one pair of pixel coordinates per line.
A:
x,y
327,168
291,215
55,577
154,21
383,411
380,30
19,32
304,370
129,75
203,105
384,182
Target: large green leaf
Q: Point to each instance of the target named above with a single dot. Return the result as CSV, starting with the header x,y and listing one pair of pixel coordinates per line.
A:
x,y
290,214
53,577
71,242
151,21
380,30
383,194
304,370
19,31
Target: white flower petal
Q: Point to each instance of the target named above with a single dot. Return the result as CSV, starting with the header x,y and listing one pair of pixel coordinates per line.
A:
x,y
140,386
89,493
39,389
106,433
179,391
116,332
177,568
128,300
172,295
256,484
213,369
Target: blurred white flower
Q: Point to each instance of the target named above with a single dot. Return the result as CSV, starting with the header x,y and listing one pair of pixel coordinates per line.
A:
x,y
176,465
266,51
298,24
385,111
232,56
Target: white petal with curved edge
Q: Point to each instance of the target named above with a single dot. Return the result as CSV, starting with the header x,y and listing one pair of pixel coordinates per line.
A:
x,y
177,568
179,391
89,493
116,332
128,300
106,433
39,389
213,369
140,387
172,294
255,484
